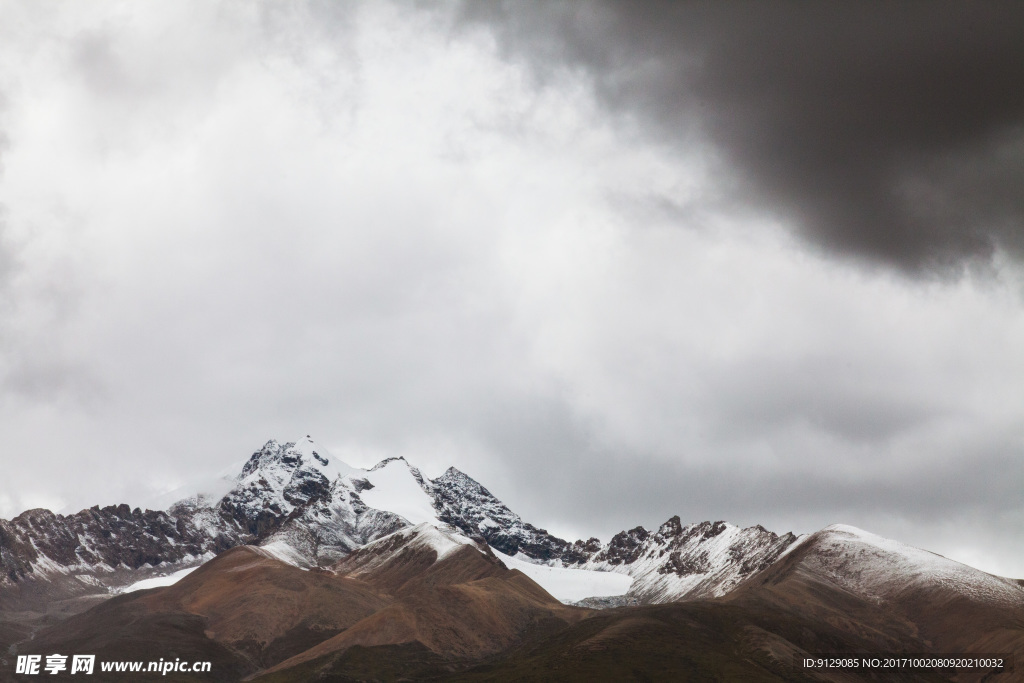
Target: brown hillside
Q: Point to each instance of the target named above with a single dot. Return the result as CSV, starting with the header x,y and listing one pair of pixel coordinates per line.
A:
x,y
466,605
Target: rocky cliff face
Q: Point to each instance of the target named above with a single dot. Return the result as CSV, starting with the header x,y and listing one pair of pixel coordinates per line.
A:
x,y
708,559
465,504
38,542
300,502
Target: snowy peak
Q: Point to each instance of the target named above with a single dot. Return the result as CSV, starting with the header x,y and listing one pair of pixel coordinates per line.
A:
x,y
304,453
279,479
299,487
462,502
456,479
316,456
882,568
275,481
297,499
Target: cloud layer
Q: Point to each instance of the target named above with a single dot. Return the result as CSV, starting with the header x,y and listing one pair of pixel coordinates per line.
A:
x,y
608,265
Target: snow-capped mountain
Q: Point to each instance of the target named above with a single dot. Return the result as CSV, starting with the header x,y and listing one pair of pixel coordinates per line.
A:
x,y
298,558
307,508
294,499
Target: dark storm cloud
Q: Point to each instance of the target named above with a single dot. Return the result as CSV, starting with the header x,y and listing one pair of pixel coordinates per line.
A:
x,y
887,133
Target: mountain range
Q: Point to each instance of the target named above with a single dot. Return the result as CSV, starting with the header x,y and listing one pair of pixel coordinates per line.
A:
x,y
300,567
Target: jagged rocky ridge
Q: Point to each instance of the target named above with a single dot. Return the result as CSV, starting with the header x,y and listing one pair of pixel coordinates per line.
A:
x,y
40,542
676,561
306,507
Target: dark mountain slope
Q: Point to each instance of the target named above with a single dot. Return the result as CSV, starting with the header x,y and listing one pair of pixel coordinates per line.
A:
x,y
449,597
270,610
242,611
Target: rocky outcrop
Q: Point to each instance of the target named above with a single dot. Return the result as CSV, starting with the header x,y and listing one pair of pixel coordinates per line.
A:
x,y
109,537
462,502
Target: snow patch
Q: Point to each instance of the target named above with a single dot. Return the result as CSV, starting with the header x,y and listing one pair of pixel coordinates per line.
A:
x,y
570,585
157,581
280,550
396,490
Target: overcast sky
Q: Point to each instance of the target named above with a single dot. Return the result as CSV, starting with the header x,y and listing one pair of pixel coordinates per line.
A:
x,y
754,262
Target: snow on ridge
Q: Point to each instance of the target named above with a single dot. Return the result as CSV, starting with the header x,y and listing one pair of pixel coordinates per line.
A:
x,y
440,538
926,559
441,541
282,551
881,567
